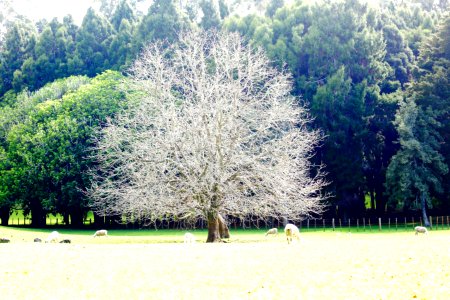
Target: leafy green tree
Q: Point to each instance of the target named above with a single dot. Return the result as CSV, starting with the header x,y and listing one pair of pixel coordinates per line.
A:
x,y
416,173
121,48
122,12
163,21
273,6
92,44
48,151
19,45
211,14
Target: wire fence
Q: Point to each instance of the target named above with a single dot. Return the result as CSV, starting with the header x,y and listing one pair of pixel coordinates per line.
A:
x,y
332,224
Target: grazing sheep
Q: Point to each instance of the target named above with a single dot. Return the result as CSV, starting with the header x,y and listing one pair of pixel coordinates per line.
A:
x,y
52,237
66,241
273,231
102,232
291,231
420,229
4,240
37,240
189,238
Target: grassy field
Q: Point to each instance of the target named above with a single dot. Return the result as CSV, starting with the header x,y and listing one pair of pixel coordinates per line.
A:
x,y
157,265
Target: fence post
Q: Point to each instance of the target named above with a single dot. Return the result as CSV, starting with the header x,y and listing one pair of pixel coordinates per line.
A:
x,y
396,224
349,224
413,222
357,224
307,222
323,221
332,221
431,222
364,222
340,224
315,223
389,220
405,223
379,224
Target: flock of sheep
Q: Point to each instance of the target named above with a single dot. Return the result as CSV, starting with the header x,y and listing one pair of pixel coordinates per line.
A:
x,y
291,231
54,237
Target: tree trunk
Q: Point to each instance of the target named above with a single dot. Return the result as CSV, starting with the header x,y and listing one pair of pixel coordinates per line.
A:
x,y
76,218
217,228
423,204
372,200
38,216
223,228
99,221
4,215
380,201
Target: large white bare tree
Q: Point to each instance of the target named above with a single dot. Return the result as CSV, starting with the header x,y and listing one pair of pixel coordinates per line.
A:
x,y
213,132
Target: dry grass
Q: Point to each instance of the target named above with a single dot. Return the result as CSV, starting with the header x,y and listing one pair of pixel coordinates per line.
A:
x,y
320,266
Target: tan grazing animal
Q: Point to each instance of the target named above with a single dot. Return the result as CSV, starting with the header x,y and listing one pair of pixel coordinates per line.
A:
x,y
420,229
273,231
291,231
52,237
189,238
102,232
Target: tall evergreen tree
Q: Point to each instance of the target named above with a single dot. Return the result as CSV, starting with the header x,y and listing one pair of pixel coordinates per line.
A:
x,y
416,173
92,44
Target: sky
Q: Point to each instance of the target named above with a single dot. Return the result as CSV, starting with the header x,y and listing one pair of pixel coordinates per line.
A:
x,y
48,9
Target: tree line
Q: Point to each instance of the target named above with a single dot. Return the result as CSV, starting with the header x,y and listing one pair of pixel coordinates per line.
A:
x,y
374,78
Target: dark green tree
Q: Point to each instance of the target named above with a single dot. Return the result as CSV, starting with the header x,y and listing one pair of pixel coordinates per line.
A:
x,y
92,44
163,21
211,14
19,45
417,172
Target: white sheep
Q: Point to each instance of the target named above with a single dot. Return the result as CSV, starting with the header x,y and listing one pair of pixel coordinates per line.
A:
x,y
273,231
420,229
102,232
52,237
291,231
189,238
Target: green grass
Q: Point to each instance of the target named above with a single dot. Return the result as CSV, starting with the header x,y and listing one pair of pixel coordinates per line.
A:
x,y
149,264
17,218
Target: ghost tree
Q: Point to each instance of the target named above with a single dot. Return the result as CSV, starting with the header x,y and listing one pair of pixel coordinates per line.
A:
x,y
213,132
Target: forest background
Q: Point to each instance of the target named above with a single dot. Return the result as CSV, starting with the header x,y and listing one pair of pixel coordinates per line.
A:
x,y
374,76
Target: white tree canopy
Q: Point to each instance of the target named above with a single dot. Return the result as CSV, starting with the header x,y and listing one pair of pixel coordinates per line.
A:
x,y
214,130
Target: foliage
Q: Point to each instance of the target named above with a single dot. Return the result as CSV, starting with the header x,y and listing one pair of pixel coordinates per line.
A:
x,y
47,152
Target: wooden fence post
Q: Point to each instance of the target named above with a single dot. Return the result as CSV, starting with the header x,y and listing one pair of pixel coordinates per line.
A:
x,y
389,220
379,224
431,222
364,222
349,224
357,224
332,222
396,224
323,221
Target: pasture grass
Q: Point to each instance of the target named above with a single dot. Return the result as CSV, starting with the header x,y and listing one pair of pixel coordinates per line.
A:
x,y
148,264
